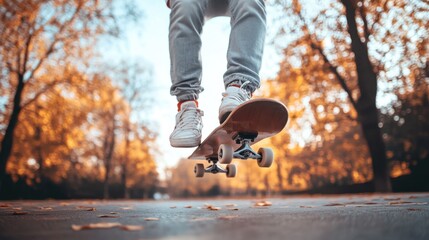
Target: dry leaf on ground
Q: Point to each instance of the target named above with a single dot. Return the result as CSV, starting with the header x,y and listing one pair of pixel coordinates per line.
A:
x,y
227,217
131,227
196,219
263,204
231,205
335,205
89,209
127,208
45,208
188,206
102,225
151,219
211,208
108,216
4,205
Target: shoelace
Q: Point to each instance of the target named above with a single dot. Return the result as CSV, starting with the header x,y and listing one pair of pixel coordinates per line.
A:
x,y
241,97
189,118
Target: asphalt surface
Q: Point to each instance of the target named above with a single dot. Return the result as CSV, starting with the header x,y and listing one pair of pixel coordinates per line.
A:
x,y
390,216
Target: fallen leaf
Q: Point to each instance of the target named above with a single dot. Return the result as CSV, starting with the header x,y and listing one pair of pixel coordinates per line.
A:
x,y
212,208
231,205
102,225
227,217
131,227
263,204
127,208
45,208
108,216
17,208
19,213
5,205
334,205
188,206
151,219
89,209
113,213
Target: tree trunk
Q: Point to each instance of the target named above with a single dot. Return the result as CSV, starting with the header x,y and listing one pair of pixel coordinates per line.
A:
x,y
279,176
366,105
7,142
109,147
125,161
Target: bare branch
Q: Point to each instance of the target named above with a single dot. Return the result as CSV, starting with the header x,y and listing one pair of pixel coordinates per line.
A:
x,y
362,12
39,93
55,41
333,68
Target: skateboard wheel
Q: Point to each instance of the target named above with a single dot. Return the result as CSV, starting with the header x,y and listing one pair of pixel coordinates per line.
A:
x,y
231,170
225,154
199,170
267,157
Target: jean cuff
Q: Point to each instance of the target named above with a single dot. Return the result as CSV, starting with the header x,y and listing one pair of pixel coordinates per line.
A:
x,y
252,86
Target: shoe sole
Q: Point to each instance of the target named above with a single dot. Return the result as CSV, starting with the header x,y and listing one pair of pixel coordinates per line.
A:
x,y
185,143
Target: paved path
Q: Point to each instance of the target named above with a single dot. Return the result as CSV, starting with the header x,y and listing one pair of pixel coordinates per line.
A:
x,y
392,216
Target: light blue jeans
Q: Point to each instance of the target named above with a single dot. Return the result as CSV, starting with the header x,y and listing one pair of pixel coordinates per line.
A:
x,y
246,42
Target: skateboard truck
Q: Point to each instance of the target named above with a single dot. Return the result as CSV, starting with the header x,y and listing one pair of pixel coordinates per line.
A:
x,y
245,151
226,153
215,168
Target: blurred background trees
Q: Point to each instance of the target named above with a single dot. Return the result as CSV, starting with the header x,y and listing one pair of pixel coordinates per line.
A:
x,y
354,75
67,124
355,80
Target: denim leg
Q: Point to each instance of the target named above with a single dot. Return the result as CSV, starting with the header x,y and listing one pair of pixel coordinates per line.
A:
x,y
246,43
186,24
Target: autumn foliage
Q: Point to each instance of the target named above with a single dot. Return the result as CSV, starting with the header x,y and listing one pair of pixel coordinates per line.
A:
x,y
353,71
67,117
354,76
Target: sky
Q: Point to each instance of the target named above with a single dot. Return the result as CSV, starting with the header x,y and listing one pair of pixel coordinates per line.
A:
x,y
150,42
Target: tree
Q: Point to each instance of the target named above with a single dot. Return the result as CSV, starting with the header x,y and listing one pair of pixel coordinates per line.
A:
x,y
37,34
347,36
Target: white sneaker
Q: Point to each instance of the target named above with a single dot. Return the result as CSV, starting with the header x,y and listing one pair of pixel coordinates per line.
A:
x,y
187,132
232,97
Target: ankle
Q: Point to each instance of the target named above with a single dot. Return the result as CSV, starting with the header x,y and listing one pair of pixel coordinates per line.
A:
x,y
179,104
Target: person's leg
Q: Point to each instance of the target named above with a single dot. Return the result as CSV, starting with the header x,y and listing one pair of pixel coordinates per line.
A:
x,y
248,29
244,55
186,24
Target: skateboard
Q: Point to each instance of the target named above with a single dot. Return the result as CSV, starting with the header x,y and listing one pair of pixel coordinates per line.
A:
x,y
249,123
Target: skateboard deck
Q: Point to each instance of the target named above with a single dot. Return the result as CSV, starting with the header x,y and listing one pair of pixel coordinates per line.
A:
x,y
254,120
